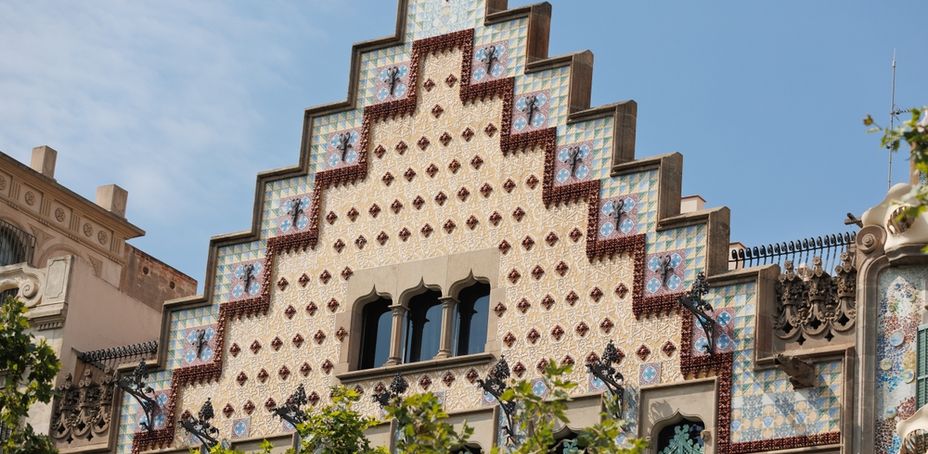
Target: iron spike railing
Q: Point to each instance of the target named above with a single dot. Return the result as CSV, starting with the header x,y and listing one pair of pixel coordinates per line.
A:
x,y
109,358
828,247
16,245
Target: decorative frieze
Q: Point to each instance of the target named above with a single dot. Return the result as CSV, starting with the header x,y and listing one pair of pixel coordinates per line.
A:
x,y
815,304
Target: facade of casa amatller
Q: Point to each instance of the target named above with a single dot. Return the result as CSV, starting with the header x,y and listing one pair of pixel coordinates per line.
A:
x,y
466,216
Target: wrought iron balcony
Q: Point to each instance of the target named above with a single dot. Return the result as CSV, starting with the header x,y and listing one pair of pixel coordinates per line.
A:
x,y
16,245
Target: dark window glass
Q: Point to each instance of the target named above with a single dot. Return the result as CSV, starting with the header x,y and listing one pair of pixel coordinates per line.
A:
x,y
466,450
684,437
566,443
423,327
471,319
375,333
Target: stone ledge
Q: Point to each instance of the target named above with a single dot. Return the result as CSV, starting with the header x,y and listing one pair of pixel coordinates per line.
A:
x,y
477,359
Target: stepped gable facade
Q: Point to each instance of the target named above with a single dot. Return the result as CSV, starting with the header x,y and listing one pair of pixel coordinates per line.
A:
x,y
467,204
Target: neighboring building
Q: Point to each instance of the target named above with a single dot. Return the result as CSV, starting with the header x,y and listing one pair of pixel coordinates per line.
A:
x,y
466,203
94,298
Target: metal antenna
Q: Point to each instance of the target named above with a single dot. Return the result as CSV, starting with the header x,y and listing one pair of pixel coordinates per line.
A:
x,y
893,113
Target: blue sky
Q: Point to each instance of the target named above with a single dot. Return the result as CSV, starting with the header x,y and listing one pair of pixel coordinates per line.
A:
x,y
183,103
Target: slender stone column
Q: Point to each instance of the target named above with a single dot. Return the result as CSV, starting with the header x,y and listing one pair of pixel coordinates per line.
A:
x,y
396,340
448,306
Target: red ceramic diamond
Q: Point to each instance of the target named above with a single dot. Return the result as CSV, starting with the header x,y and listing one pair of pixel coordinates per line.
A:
x,y
669,348
472,375
270,404
428,85
332,305
527,243
327,366
410,174
360,241
305,369
255,347
551,239
541,366
606,325
249,407
283,372
331,217
509,339
404,234
449,226
396,206
262,375
576,234
282,283
463,194
514,276
504,247
353,214
448,379
313,398
547,302
538,272
445,139
387,178
341,334
440,198
621,290
319,337
311,309
500,309
374,210
567,361
234,350
532,181
380,151
518,214
643,352
490,130
518,369
472,222
596,294
557,332
298,340
401,147
241,378
426,230
347,273
561,268
418,202
467,134
523,305
228,410
454,165
425,382
495,218
476,162
276,343
290,311
437,111
533,335
582,329
509,185
304,279
451,80
325,276
382,237
431,170
486,190
338,245
423,143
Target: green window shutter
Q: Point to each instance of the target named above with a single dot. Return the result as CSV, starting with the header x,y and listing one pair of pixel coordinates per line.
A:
x,y
921,383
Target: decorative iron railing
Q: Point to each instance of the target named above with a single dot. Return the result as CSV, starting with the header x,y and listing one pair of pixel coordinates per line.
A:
x,y
110,358
828,247
16,245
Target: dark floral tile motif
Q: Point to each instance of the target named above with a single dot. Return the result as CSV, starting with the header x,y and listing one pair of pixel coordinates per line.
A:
x,y
618,216
530,111
392,82
724,341
664,272
491,61
293,214
245,280
342,149
573,163
199,345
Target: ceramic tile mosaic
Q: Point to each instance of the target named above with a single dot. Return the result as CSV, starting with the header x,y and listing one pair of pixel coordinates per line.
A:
x,y
131,414
512,35
553,84
618,216
902,297
184,324
764,403
598,133
227,261
572,163
426,18
644,186
278,197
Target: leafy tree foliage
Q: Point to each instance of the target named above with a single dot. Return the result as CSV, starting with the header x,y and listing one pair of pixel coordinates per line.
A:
x,y
422,426
914,132
27,370
338,428
535,418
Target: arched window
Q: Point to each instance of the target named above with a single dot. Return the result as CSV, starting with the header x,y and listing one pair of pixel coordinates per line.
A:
x,y
376,320
471,319
423,327
565,442
684,437
467,449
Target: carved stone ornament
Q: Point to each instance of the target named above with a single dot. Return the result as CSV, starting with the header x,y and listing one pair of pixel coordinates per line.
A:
x,y
801,373
83,412
812,303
